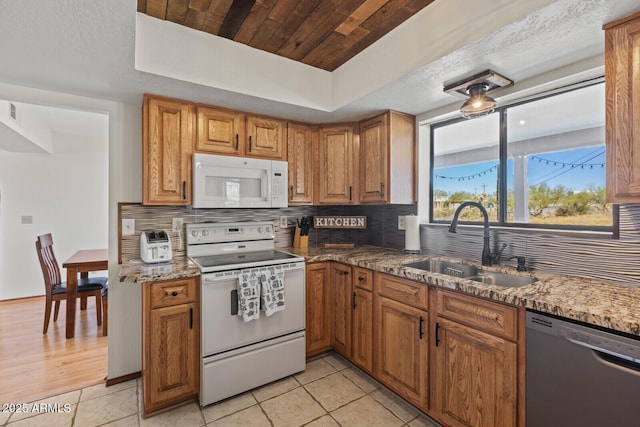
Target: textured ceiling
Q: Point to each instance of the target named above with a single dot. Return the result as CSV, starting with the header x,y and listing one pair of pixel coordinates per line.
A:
x,y
86,47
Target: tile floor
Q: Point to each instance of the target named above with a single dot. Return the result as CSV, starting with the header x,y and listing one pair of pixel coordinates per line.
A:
x,y
330,392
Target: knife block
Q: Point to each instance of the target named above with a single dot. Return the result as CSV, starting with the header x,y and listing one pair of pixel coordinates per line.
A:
x,y
300,241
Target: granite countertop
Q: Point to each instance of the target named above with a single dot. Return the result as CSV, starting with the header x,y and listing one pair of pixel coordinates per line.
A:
x,y
611,306
603,304
138,272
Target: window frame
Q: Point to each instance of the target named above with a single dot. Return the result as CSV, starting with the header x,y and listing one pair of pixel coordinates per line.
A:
x,y
502,169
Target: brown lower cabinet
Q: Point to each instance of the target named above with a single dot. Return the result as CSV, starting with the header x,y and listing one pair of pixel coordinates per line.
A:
x,y
476,360
457,357
362,328
318,314
171,343
401,339
341,303
401,350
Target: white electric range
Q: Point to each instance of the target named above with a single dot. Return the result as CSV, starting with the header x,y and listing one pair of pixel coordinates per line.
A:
x,y
239,355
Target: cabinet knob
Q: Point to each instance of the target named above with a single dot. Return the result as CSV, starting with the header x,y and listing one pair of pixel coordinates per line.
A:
x,y
360,278
174,293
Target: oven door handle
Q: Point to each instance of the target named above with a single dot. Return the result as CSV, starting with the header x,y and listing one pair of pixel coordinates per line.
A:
x,y
234,302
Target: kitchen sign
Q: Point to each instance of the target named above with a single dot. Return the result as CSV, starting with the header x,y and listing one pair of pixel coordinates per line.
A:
x,y
340,221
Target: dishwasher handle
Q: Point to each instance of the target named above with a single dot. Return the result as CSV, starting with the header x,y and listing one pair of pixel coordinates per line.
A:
x,y
611,358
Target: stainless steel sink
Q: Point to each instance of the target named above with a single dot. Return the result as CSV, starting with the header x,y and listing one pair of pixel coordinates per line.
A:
x,y
501,279
444,267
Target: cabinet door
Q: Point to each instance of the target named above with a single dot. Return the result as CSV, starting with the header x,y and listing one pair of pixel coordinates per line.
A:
x,y
336,166
300,159
362,338
171,372
220,131
475,377
341,302
167,145
401,349
622,68
266,138
374,160
318,317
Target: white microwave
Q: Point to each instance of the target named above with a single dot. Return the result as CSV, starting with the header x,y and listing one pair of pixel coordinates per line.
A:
x,y
238,182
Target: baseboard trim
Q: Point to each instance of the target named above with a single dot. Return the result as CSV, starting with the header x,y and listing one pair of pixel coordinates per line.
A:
x,y
118,380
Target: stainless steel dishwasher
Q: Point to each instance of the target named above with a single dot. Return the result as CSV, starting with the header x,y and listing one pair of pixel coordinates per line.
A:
x,y
580,376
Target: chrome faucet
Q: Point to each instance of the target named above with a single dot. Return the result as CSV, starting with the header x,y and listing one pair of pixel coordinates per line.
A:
x,y
487,257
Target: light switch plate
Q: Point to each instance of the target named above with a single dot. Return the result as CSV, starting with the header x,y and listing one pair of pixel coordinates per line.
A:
x,y
401,222
284,222
177,225
128,227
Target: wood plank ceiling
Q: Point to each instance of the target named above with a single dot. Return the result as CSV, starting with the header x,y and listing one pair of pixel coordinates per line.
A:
x,y
321,33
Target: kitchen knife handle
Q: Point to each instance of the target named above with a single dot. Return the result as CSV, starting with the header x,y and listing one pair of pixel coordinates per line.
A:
x,y
249,143
421,333
354,300
382,190
236,142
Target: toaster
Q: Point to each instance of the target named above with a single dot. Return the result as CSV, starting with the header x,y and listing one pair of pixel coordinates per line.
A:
x,y
155,246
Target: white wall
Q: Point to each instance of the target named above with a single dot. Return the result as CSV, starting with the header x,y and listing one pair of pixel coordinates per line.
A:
x,y
125,185
65,193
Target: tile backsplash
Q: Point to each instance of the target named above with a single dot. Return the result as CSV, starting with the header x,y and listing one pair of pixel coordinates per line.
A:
x,y
600,258
381,224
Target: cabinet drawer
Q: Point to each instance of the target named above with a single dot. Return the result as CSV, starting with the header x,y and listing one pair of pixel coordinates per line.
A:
x,y
172,293
494,318
402,290
363,278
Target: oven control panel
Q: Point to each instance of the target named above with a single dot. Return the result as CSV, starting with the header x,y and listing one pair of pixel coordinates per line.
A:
x,y
217,232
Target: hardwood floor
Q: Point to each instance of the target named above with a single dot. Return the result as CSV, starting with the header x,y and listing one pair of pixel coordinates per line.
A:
x,y
34,366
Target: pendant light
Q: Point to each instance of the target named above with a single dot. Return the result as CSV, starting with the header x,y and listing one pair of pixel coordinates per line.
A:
x,y
475,89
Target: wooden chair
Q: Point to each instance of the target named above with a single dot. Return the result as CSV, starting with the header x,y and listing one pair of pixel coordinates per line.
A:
x,y
56,289
105,311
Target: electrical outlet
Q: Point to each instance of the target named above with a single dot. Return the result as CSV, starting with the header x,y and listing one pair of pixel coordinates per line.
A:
x,y
128,227
284,222
177,225
401,222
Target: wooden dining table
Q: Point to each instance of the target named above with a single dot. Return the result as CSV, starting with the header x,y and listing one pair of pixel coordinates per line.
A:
x,y
82,262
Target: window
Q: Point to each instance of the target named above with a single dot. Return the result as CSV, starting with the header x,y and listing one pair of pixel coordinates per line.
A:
x,y
538,163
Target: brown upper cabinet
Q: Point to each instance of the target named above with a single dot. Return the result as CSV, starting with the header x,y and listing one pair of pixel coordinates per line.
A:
x,y
233,133
371,162
622,68
387,159
300,146
220,131
337,177
167,145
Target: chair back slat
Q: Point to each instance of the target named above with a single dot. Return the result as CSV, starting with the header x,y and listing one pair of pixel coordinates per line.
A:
x,y
48,262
